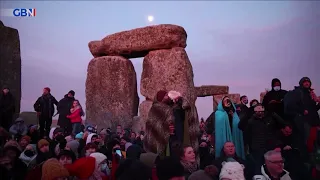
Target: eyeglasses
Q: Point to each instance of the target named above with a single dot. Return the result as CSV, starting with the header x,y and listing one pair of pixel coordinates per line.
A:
x,y
277,162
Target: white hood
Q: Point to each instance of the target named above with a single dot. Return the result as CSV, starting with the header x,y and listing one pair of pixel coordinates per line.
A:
x,y
89,138
51,132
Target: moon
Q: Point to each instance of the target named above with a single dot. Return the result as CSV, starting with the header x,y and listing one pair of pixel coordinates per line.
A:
x,y
150,18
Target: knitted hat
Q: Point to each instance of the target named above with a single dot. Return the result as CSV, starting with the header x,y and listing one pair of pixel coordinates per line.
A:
x,y
27,138
42,143
232,170
48,89
160,95
71,92
82,168
79,135
69,138
174,94
53,169
99,157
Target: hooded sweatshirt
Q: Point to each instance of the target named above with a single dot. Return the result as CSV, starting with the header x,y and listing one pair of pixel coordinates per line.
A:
x,y
273,95
19,128
299,100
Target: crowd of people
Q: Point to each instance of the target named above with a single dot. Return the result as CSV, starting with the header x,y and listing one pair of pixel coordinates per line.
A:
x,y
276,139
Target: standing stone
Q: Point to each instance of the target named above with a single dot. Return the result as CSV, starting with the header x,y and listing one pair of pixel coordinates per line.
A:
x,y
144,109
137,124
138,42
210,90
167,70
10,63
111,92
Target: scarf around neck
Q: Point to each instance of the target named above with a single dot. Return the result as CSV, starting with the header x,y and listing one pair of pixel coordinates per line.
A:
x,y
189,167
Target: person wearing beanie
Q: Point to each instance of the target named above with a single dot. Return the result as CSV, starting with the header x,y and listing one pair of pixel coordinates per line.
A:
x,y
73,146
84,169
52,169
43,151
101,163
273,100
232,170
18,129
64,107
24,141
302,109
79,135
44,106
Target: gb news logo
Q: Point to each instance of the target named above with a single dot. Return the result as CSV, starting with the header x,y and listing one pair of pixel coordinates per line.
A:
x,y
19,12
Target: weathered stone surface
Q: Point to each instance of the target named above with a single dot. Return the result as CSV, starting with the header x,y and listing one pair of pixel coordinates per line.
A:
x,y
235,98
138,42
167,70
111,92
10,62
137,124
144,109
29,117
210,90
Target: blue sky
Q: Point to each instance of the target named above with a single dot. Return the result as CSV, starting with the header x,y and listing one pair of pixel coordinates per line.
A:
x,y
252,41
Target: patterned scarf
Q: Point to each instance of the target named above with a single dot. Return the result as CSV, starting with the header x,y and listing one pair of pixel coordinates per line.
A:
x,y
189,166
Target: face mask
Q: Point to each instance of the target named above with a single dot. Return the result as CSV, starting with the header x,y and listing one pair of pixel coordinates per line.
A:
x,y
277,88
103,167
29,153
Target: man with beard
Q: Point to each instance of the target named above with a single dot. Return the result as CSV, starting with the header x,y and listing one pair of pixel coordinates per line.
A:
x,y
170,119
7,108
44,106
242,107
302,109
63,108
273,100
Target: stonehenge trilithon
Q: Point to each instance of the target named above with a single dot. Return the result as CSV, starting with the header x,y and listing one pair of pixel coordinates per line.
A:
x,y
10,62
111,81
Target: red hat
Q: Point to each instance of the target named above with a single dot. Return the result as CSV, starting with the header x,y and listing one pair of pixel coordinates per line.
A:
x,y
82,168
160,95
47,88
